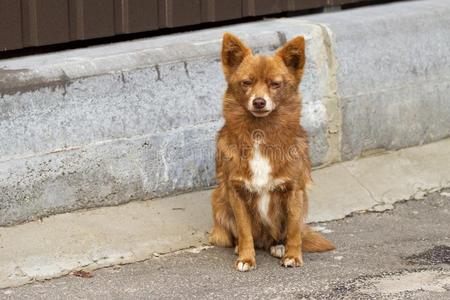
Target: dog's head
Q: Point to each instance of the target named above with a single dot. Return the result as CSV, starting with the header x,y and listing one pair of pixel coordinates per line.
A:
x,y
261,83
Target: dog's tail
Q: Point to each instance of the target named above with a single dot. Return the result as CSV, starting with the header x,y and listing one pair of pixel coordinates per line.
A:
x,y
313,241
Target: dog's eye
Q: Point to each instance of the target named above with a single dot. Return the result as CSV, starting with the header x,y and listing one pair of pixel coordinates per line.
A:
x,y
247,83
275,84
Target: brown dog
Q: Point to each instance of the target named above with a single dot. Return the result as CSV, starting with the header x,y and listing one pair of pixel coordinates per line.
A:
x,y
262,158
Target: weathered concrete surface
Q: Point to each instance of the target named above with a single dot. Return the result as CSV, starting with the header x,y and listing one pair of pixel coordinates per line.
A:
x,y
377,182
132,232
144,129
106,173
394,74
137,120
101,237
400,254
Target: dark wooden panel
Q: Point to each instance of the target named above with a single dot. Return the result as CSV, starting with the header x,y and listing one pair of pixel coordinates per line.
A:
x,y
25,23
136,15
45,22
304,4
219,10
341,2
262,7
10,25
91,18
175,13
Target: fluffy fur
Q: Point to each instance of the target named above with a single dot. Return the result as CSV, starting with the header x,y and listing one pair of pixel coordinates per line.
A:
x,y
262,159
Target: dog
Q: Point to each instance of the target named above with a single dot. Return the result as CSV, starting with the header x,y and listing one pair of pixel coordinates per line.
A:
x,y
262,158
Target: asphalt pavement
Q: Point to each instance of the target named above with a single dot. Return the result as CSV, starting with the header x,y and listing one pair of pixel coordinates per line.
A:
x,y
403,253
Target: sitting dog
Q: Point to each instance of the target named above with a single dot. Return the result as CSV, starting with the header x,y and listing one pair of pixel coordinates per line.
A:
x,y
262,160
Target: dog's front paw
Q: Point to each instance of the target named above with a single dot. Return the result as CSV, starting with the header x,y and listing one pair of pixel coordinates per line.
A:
x,y
292,261
245,265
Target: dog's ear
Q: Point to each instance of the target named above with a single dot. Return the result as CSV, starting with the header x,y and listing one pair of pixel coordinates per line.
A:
x,y
233,53
293,56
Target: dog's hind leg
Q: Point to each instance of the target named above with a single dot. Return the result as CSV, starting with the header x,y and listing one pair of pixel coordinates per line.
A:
x,y
277,250
221,234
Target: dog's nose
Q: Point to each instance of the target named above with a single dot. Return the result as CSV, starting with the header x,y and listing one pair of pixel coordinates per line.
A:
x,y
259,103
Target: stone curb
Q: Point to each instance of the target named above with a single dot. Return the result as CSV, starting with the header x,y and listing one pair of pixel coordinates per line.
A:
x,y
137,120
140,230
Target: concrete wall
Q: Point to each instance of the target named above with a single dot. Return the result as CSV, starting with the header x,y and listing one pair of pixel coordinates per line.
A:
x,y
394,75
137,120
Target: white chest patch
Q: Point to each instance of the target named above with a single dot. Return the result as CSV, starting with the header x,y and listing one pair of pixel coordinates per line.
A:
x,y
261,169
261,182
263,206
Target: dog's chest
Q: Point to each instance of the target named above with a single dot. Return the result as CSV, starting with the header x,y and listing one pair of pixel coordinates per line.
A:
x,y
261,171
261,181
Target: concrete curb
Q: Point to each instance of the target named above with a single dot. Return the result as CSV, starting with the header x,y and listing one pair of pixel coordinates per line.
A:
x,y
137,120
140,230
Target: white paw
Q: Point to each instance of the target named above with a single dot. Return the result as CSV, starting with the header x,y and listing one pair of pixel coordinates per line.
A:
x,y
277,251
290,262
244,266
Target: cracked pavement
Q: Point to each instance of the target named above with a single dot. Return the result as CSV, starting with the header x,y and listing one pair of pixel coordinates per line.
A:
x,y
403,253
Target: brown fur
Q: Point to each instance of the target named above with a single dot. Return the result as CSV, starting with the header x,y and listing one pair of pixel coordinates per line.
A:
x,y
281,140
